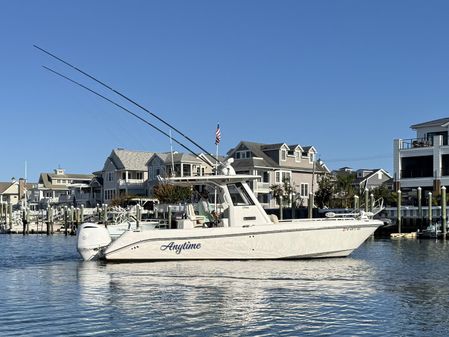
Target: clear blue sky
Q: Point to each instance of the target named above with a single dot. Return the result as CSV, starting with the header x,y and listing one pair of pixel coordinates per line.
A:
x,y
344,76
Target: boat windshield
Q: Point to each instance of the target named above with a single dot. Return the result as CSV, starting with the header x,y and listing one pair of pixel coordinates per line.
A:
x,y
239,196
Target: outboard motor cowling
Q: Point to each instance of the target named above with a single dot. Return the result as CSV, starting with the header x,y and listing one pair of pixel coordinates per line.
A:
x,y
91,239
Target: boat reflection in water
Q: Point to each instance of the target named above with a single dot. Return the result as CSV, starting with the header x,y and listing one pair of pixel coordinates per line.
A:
x,y
228,296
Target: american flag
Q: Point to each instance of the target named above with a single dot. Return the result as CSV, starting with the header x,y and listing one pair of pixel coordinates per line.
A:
x,y
217,135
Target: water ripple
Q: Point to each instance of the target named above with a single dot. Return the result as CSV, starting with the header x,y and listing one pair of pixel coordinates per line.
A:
x,y
384,288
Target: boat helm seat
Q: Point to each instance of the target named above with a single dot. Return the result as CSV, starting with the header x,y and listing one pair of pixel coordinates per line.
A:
x,y
274,218
190,213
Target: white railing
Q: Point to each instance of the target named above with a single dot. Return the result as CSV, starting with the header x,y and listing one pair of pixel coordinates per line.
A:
x,y
262,186
131,182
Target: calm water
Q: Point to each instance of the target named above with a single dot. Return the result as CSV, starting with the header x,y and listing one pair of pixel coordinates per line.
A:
x,y
395,288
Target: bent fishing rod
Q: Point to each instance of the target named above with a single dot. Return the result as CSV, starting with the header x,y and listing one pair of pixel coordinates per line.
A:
x,y
128,111
129,100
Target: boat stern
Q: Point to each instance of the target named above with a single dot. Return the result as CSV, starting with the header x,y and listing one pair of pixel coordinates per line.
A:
x,y
91,240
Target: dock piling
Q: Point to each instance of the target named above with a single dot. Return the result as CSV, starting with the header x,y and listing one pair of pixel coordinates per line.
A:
x,y
48,220
10,215
399,211
105,214
82,214
443,211
366,200
356,202
310,206
66,220
420,215
27,219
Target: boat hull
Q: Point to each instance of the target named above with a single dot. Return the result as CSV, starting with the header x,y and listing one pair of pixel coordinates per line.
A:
x,y
293,240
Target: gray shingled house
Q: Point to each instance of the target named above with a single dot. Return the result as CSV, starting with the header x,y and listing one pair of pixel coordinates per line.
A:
x,y
125,172
276,163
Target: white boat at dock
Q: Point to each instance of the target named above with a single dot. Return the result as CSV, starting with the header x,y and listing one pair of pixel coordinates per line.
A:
x,y
242,231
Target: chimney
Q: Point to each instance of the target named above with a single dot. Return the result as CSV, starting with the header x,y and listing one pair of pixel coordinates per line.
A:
x,y
22,188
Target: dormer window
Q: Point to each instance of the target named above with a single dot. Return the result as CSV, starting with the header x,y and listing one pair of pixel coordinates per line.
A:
x,y
311,157
243,154
297,156
283,155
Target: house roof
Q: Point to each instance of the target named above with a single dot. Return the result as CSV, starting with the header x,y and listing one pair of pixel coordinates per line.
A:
x,y
261,159
308,148
257,150
71,176
436,122
4,186
277,146
130,160
47,179
183,157
374,172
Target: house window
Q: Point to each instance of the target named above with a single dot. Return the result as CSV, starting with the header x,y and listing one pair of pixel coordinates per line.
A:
x,y
139,175
283,155
124,175
265,177
281,176
278,177
297,156
311,158
243,154
304,190
109,176
286,176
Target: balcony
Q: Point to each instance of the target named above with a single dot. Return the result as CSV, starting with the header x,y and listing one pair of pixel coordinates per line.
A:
x,y
416,173
131,183
416,143
262,187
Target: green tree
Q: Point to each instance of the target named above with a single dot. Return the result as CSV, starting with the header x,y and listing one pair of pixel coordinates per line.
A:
x,y
384,193
345,188
325,192
277,192
283,192
167,193
122,200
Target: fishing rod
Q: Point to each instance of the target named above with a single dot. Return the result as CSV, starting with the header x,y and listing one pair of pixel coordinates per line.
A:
x,y
131,101
128,111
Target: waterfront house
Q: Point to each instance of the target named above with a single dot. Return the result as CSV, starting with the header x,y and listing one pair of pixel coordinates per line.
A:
x,y
125,173
14,191
423,161
61,188
370,179
177,164
276,163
